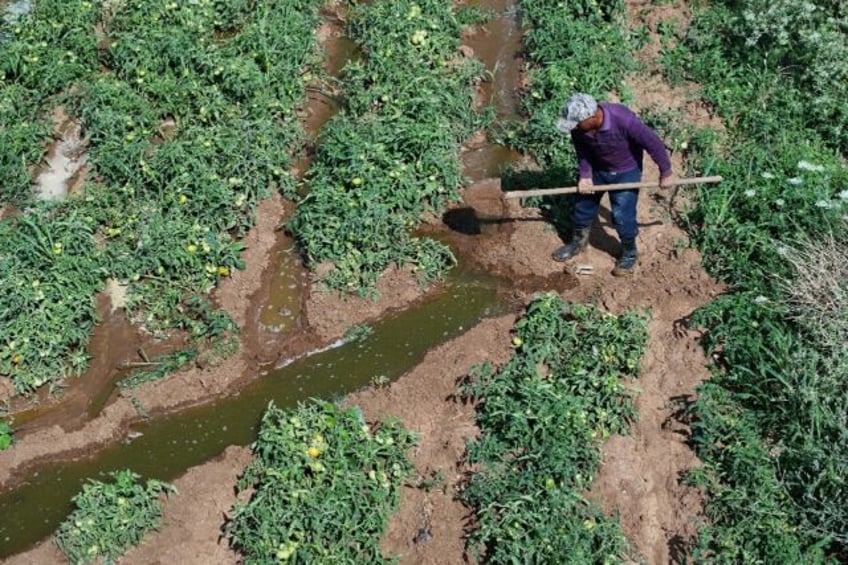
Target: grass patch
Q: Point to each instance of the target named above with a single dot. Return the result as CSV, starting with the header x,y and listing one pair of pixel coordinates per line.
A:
x,y
771,422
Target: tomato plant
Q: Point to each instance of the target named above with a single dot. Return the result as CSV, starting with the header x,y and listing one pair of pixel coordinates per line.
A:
x,y
187,110
392,153
542,418
323,482
111,517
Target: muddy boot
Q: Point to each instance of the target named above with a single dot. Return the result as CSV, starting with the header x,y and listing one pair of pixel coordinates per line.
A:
x,y
579,241
625,264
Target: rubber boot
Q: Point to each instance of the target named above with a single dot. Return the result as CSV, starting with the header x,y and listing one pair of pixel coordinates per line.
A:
x,y
625,264
579,241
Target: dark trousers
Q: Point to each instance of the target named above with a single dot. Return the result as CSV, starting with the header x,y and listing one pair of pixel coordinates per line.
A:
x,y
622,204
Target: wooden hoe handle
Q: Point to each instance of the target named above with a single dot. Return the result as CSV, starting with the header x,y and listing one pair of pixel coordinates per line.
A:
x,y
606,187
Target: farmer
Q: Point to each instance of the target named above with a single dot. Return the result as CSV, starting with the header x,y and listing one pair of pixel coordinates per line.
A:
x,y
609,140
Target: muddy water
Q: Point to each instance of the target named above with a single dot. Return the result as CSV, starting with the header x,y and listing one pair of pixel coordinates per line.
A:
x,y
498,44
285,288
64,168
115,344
12,10
282,309
165,448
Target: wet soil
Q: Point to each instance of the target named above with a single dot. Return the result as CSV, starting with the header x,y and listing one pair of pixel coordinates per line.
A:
x,y
64,169
640,477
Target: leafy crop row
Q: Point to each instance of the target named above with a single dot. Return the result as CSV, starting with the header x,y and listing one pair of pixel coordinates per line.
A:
x,y
110,518
391,154
542,418
770,425
544,414
571,47
322,482
44,53
188,111
48,312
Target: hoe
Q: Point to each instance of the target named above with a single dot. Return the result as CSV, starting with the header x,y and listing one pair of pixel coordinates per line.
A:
x,y
467,220
607,187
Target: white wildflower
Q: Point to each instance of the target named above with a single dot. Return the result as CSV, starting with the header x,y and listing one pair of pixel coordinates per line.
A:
x,y
795,180
760,300
843,195
824,204
750,192
767,175
783,250
780,202
807,166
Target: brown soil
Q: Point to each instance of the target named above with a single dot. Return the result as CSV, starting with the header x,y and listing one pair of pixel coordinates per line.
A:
x,y
640,477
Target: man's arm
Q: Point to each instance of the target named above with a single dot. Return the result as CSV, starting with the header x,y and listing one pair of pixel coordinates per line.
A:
x,y
651,142
584,166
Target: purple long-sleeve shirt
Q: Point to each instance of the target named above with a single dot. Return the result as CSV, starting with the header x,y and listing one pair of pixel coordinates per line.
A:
x,y
619,144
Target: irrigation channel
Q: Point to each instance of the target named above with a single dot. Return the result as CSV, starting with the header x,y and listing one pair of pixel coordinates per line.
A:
x,y
165,447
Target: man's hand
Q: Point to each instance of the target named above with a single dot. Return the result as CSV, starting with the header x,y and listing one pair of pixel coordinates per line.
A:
x,y
668,181
585,186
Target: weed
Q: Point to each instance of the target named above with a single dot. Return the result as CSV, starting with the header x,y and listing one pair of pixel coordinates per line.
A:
x,y
380,381
164,365
6,436
816,290
358,333
137,404
433,481
771,419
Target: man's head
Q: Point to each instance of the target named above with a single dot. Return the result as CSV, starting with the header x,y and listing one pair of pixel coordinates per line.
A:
x,y
581,109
